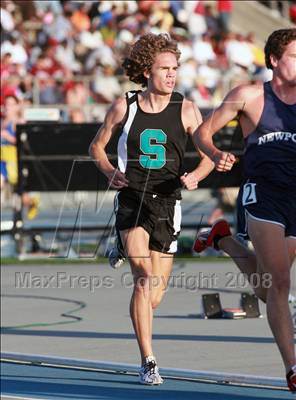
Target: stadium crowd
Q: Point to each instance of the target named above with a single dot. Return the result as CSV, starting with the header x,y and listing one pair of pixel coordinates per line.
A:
x,y
69,53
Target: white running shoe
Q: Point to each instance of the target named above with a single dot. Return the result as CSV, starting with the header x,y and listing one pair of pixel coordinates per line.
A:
x,y
149,372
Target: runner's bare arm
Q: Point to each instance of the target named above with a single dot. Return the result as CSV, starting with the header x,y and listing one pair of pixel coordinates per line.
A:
x,y
97,148
192,118
203,135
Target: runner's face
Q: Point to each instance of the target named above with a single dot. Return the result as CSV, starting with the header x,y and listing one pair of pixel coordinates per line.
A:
x,y
285,67
162,76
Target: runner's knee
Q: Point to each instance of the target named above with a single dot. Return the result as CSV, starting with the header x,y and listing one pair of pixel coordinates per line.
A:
x,y
142,271
281,282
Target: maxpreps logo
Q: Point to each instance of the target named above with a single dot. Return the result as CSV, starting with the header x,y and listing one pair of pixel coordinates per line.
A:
x,y
277,136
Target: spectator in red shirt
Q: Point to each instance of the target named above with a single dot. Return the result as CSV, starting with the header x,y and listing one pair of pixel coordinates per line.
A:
x,y
44,67
224,9
292,12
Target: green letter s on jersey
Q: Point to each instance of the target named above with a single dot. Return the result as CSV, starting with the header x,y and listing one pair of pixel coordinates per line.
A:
x,y
157,150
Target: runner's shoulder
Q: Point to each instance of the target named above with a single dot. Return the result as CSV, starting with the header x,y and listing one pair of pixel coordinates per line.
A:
x,y
246,92
118,109
189,108
119,105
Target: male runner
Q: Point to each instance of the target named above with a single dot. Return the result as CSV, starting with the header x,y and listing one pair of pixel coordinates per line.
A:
x,y
268,120
154,124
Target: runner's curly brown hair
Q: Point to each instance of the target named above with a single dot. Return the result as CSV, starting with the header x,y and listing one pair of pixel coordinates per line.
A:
x,y
143,52
276,44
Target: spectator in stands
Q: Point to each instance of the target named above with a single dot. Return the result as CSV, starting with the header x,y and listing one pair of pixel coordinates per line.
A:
x,y
195,17
7,67
211,20
68,37
187,76
80,19
10,86
26,88
184,44
65,56
257,52
106,85
14,46
77,94
47,66
238,51
200,94
102,52
60,28
8,140
161,16
224,9
50,91
203,49
209,75
91,39
292,11
44,6
146,6
7,22
77,116
9,171
108,29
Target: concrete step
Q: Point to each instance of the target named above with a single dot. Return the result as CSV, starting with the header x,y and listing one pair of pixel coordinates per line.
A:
x,y
251,16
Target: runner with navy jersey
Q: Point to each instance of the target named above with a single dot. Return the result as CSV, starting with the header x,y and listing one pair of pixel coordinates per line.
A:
x,y
267,114
154,126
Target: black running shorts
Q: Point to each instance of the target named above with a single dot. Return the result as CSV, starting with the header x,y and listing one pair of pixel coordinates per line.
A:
x,y
159,216
265,203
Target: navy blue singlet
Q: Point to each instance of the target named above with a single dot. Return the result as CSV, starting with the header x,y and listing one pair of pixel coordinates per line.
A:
x,y
270,155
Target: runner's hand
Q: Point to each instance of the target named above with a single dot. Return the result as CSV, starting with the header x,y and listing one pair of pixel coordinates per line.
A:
x,y
189,181
224,161
117,179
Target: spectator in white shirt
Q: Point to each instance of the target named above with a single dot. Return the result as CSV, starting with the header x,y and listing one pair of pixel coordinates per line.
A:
x,y
203,50
7,22
14,47
238,51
